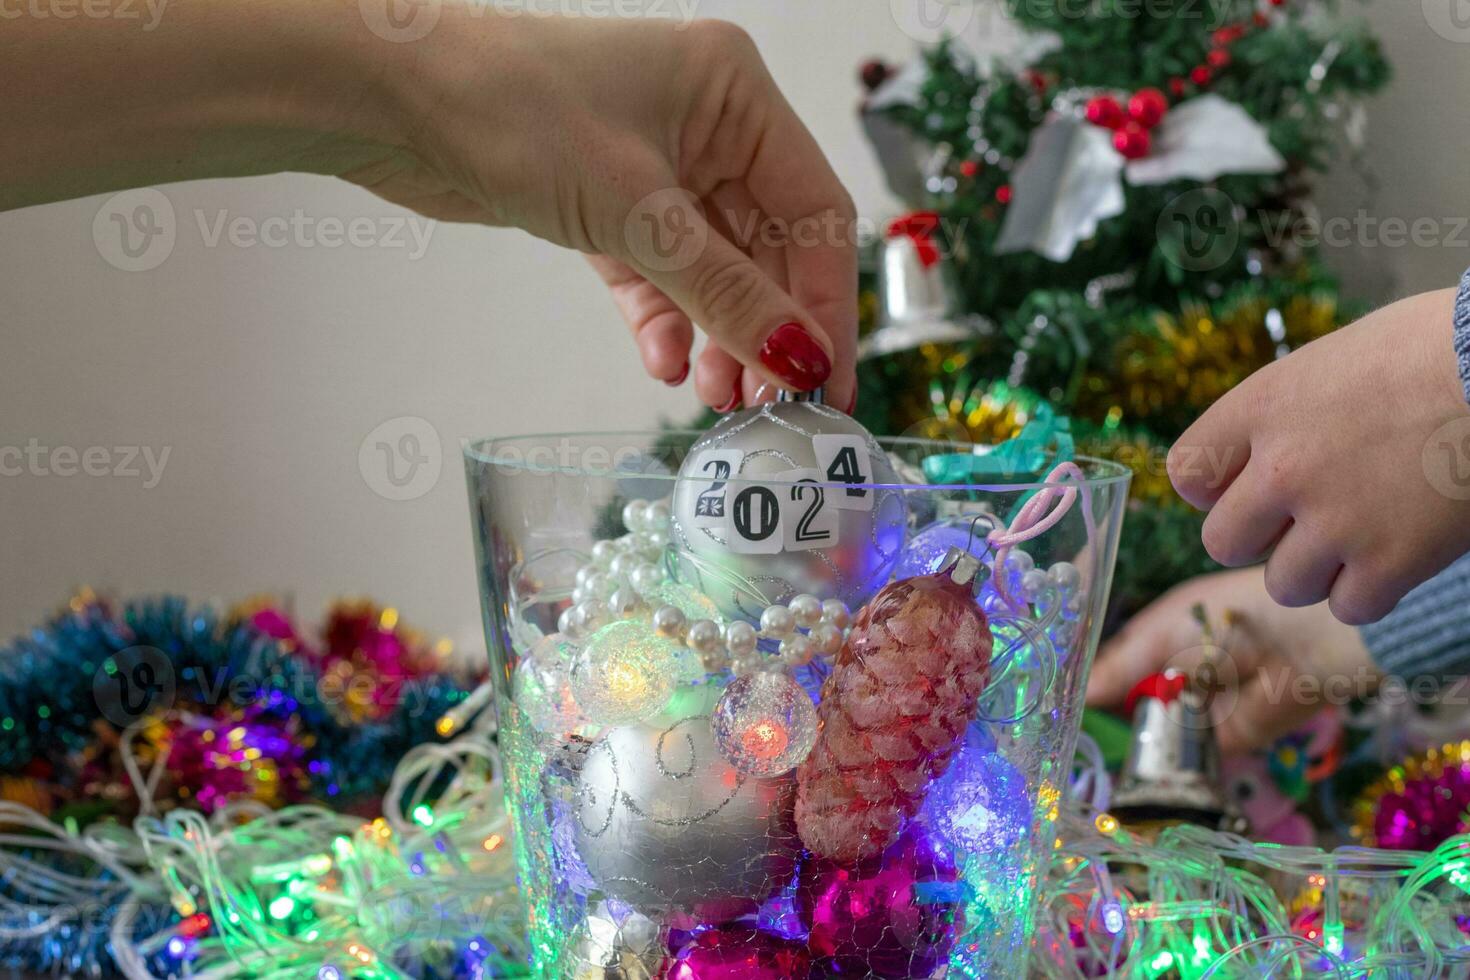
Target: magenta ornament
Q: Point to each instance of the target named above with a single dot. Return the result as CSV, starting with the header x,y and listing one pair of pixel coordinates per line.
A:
x,y
739,953
893,917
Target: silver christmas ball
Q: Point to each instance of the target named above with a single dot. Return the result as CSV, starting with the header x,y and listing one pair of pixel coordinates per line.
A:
x,y
748,544
664,822
608,946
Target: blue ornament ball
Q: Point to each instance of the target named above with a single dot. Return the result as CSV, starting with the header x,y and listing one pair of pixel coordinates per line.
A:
x,y
980,805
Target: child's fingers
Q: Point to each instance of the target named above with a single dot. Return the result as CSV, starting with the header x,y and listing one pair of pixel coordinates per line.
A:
x,y
1206,460
1361,595
1300,572
1244,523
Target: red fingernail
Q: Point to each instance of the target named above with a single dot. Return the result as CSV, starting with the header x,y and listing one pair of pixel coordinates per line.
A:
x,y
734,401
676,382
794,356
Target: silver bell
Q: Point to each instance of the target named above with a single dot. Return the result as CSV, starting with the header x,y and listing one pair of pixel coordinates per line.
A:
x,y
917,300
1173,766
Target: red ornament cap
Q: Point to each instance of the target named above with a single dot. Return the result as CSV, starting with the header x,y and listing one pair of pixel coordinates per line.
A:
x,y
970,168
1177,86
1147,107
1003,193
1218,58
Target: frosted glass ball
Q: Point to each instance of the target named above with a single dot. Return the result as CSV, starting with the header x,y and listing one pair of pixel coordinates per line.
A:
x,y
765,724
624,673
542,687
980,805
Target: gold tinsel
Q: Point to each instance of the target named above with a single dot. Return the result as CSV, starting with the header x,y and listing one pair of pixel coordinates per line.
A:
x,y
1188,360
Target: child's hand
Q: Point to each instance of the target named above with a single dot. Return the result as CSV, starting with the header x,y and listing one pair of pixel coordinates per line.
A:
x,y
1319,462
1279,667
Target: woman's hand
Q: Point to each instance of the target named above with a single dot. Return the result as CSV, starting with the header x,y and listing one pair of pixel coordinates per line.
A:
x,y
667,154
1271,669
1342,463
663,150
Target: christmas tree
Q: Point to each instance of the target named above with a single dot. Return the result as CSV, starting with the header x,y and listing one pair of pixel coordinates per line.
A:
x,y
1114,210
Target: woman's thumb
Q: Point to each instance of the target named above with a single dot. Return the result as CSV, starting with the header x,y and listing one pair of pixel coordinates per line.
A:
x,y
672,244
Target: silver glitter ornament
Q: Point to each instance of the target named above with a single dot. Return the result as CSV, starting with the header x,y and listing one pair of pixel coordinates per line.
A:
x,y
749,544
664,822
609,946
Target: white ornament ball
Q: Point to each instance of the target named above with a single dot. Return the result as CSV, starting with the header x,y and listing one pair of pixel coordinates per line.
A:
x,y
750,531
625,672
664,822
765,723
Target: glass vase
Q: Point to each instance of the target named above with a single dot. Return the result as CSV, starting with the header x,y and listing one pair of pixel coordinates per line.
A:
x,y
725,757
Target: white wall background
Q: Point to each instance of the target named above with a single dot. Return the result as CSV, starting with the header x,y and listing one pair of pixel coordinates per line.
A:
x,y
262,369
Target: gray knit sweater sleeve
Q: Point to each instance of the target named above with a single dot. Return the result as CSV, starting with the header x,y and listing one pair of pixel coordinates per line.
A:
x,y
1429,632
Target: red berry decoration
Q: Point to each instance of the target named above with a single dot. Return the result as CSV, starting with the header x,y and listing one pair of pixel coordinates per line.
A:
x,y
1147,107
1218,58
1133,141
1104,111
1278,3
1003,193
970,168
894,712
1201,75
874,73
1260,19
1178,86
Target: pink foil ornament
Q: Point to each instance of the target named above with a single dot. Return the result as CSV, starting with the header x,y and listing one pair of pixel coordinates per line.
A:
x,y
737,953
893,712
895,917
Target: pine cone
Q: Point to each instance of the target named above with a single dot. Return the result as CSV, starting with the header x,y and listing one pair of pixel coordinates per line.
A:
x,y
893,714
